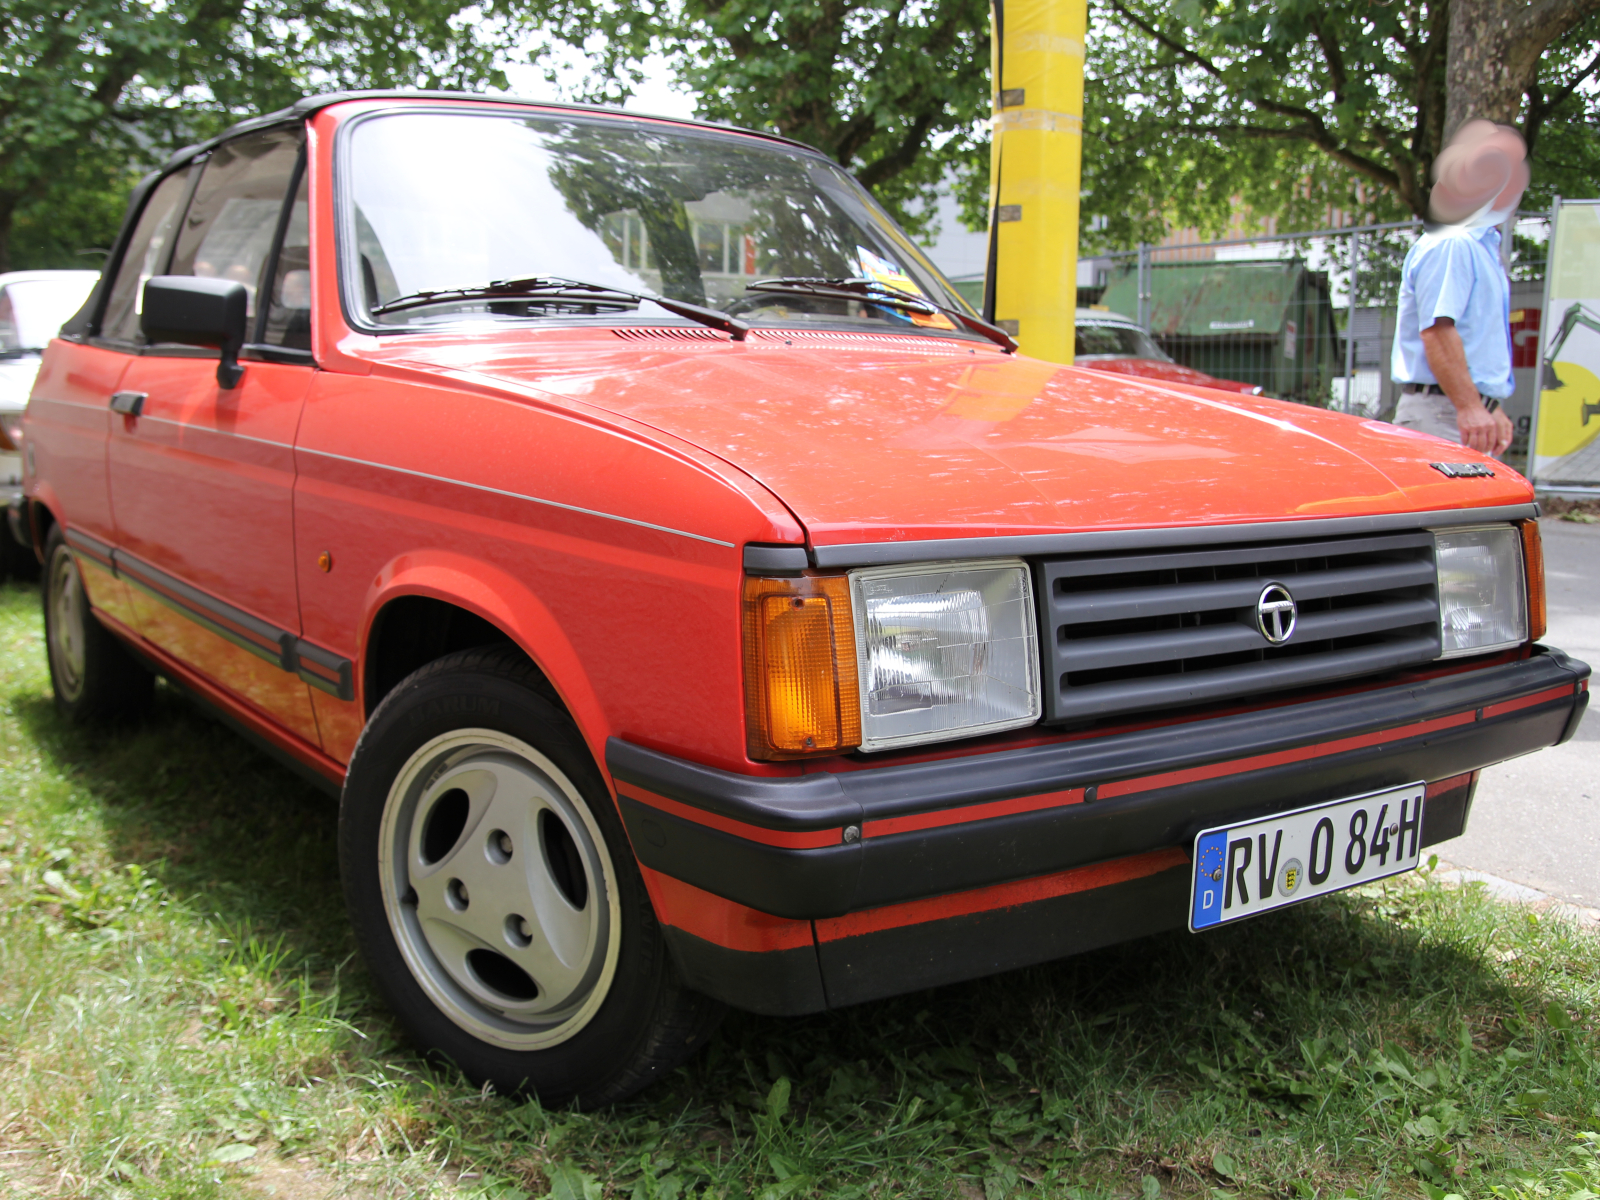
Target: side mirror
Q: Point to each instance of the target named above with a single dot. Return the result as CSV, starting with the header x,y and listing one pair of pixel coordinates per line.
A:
x,y
193,311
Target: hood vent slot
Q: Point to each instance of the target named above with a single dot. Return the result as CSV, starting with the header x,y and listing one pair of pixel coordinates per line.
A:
x,y
674,333
907,341
668,333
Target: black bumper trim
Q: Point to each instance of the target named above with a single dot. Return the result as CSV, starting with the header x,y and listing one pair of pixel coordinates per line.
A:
x,y
891,962
1576,719
792,803
800,884
835,879
774,983
826,800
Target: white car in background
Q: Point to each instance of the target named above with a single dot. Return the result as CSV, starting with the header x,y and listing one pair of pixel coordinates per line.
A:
x,y
33,307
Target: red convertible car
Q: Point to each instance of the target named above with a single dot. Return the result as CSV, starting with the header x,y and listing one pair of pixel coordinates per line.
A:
x,y
692,602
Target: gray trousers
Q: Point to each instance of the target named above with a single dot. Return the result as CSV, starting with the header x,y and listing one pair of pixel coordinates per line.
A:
x,y
1427,413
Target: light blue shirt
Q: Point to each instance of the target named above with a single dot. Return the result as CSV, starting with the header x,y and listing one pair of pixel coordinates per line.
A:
x,y
1456,273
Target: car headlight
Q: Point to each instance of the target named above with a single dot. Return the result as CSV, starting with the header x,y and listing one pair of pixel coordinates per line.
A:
x,y
1483,601
944,650
888,656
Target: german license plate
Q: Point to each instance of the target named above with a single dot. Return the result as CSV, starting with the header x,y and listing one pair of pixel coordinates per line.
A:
x,y
1242,870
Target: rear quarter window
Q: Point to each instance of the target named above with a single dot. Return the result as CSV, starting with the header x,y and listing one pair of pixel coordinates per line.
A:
x,y
146,255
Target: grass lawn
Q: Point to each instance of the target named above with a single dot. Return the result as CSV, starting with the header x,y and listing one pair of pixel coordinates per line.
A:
x,y
182,1014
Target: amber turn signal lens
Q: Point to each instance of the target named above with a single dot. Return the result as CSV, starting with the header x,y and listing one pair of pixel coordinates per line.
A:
x,y
800,667
1533,564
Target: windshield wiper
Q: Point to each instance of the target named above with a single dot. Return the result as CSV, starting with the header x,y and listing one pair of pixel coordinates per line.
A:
x,y
874,292
557,290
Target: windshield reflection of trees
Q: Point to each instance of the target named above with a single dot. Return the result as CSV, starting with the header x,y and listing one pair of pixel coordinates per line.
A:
x,y
794,226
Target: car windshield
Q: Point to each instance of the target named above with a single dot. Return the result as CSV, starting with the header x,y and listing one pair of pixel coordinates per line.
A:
x,y
443,201
1117,341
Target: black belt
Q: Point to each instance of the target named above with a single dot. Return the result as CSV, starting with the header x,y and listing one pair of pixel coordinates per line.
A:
x,y
1433,389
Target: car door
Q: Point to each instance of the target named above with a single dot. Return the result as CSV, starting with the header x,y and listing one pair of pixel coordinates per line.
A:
x,y
202,476
69,418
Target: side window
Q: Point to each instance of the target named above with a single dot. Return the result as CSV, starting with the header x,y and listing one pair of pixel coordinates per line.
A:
x,y
146,256
289,302
228,230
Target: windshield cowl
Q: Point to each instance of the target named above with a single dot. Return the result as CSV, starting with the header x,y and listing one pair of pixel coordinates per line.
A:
x,y
564,295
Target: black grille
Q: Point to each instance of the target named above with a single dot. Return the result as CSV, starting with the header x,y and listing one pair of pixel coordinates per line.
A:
x,y
1134,632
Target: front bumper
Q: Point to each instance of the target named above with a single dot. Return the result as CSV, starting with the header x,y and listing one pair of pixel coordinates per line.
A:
x,y
865,851
779,845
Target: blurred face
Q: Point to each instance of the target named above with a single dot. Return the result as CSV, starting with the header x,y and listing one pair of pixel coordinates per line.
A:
x,y
1480,176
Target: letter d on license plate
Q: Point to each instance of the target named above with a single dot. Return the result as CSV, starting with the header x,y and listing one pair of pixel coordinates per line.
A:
x,y
1242,870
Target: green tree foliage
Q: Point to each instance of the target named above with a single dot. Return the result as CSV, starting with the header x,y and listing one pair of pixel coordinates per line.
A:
x,y
92,92
1293,107
1562,119
896,92
72,221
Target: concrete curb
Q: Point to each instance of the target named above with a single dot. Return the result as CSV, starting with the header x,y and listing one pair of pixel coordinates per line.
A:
x,y
1517,893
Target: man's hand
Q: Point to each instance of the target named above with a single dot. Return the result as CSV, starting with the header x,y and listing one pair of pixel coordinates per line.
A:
x,y
1485,432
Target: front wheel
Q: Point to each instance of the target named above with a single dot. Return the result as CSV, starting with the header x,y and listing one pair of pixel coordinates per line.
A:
x,y
495,896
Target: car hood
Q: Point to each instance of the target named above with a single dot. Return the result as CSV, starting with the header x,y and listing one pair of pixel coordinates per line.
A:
x,y
902,442
1170,372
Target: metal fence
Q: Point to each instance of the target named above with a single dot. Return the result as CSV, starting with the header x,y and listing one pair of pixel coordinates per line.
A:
x,y
1308,317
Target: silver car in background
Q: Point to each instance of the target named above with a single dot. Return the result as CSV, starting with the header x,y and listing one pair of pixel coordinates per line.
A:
x,y
33,307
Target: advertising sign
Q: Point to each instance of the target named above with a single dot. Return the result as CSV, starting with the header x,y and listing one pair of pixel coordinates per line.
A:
x,y
1566,436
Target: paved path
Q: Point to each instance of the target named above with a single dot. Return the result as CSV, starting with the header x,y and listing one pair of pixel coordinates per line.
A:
x,y
1536,820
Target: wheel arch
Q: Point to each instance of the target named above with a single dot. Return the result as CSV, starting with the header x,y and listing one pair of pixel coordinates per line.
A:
x,y
426,605
42,517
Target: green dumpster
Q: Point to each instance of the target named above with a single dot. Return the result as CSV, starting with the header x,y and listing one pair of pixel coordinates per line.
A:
x,y
1268,323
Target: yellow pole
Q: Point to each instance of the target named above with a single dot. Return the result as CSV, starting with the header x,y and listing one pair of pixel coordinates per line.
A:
x,y
1035,171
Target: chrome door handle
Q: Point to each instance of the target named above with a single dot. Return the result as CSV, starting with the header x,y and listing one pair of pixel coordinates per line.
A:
x,y
129,404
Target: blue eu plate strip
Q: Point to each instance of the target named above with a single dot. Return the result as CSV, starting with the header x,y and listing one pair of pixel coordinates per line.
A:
x,y
1210,856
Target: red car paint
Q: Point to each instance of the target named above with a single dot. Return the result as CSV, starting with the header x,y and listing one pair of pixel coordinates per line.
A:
x,y
588,492
1169,372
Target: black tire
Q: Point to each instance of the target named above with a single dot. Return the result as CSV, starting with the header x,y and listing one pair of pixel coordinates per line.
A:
x,y
465,771
93,676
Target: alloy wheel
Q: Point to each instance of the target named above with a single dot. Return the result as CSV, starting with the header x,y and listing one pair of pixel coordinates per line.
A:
x,y
499,889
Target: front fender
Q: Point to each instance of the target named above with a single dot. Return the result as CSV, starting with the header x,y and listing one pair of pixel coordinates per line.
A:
x,y
507,603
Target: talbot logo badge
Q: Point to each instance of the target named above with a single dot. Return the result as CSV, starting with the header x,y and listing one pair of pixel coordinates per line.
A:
x,y
1276,613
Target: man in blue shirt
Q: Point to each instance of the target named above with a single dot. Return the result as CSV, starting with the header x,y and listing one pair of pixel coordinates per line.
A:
x,y
1452,342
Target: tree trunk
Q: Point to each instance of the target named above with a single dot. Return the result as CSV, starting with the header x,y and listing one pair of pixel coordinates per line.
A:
x,y
1494,51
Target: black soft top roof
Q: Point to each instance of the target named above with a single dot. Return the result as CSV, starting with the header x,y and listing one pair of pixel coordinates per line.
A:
x,y
308,106
87,320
